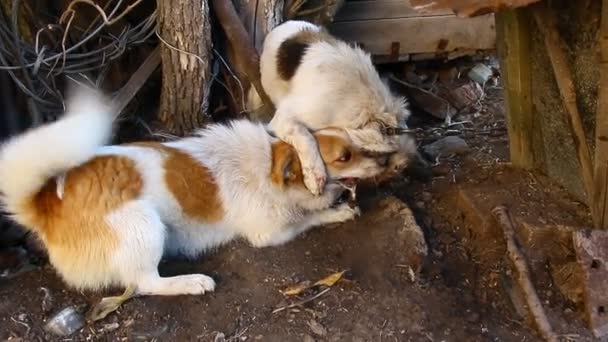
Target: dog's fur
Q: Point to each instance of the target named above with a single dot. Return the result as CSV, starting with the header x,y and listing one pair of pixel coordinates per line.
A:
x,y
108,214
318,81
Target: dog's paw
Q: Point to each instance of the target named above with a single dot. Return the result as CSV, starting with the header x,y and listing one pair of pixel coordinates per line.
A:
x,y
315,178
345,212
196,284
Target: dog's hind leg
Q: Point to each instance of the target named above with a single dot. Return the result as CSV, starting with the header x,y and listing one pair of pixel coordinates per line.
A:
x,y
139,254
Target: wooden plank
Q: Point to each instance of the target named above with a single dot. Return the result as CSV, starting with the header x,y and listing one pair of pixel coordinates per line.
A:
x,y
513,45
441,34
390,9
601,126
469,8
546,21
137,80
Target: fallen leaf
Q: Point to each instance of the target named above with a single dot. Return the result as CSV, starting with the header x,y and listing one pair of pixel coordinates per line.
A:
x,y
331,279
296,289
328,281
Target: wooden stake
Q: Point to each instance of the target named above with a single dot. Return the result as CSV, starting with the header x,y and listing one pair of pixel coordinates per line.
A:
x,y
546,21
601,126
523,275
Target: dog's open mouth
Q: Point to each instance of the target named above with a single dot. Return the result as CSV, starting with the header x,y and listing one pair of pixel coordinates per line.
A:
x,y
350,191
348,182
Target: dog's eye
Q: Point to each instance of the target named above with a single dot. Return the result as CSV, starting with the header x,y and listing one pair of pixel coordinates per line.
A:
x,y
345,157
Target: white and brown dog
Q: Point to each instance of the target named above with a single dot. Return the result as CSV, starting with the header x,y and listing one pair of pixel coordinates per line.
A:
x,y
108,214
317,81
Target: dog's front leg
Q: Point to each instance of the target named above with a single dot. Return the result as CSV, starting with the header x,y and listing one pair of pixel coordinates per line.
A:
x,y
297,135
342,213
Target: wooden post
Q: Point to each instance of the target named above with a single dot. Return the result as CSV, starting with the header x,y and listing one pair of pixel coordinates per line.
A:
x,y
185,31
513,39
601,126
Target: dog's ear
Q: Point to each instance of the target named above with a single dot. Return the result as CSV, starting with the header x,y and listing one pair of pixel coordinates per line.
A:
x,y
286,168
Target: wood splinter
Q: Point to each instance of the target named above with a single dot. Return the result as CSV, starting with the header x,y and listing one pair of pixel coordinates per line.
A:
x,y
523,275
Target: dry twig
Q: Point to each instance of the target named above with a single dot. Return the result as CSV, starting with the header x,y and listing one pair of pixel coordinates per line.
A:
x,y
523,275
302,302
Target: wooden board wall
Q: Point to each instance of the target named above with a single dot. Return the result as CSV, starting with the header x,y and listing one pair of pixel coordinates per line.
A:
x,y
392,28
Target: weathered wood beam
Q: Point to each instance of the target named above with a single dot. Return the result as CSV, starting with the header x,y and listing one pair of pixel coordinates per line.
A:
x,y
246,57
546,21
600,195
513,45
469,8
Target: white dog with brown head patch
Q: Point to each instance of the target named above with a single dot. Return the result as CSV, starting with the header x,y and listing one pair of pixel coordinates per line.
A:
x,y
318,81
108,214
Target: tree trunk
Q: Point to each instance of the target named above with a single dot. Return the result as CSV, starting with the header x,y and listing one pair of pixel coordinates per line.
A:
x,y
184,25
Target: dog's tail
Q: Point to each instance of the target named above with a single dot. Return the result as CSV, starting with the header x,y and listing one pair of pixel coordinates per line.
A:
x,y
29,160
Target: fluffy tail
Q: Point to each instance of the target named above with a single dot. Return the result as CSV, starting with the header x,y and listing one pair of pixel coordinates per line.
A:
x,y
28,161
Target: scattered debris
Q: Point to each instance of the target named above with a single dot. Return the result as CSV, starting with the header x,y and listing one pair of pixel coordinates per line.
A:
x,y
480,73
523,275
47,300
108,305
110,327
308,338
328,281
427,100
446,146
317,328
301,302
220,337
66,322
461,97
592,256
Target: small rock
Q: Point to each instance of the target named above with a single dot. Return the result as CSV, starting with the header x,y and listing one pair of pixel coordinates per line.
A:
x,y
317,328
480,73
308,338
446,146
420,205
110,327
66,322
220,337
47,300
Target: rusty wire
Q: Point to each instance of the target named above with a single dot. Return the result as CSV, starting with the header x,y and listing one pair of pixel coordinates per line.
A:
x,y
35,68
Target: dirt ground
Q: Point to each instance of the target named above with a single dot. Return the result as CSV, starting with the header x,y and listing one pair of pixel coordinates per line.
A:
x,y
458,296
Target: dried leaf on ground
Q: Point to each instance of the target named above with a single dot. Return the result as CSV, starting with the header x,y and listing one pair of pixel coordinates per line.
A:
x,y
328,281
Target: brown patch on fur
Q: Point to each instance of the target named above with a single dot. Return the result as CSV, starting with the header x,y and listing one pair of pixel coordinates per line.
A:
x,y
292,50
286,169
193,185
190,182
90,192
